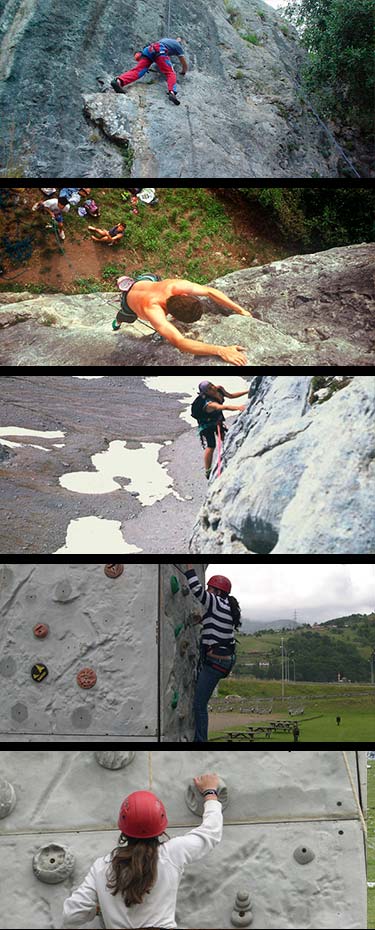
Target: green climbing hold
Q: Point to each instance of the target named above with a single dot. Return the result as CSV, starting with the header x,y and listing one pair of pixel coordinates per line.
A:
x,y
175,586
175,700
178,629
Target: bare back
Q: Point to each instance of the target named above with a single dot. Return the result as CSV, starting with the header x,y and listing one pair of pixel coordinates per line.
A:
x,y
148,298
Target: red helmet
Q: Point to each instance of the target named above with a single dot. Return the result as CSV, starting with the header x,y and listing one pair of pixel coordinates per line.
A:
x,y
142,816
219,581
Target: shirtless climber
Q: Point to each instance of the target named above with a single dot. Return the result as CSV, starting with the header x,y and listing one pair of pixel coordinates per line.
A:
x,y
159,52
152,300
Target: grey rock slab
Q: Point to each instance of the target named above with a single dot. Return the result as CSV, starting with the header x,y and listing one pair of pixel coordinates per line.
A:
x,y
241,112
296,478
313,310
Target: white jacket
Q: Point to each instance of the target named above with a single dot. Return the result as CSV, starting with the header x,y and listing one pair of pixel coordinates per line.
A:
x,y
159,907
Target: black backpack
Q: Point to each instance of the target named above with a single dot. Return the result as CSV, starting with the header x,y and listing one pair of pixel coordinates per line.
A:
x,y
198,406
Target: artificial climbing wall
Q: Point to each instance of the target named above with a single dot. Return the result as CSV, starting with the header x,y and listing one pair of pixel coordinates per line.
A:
x,y
292,854
79,653
179,652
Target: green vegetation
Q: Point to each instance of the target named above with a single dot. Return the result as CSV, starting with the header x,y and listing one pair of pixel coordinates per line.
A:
x,y
322,703
320,653
251,38
371,843
319,218
340,69
192,232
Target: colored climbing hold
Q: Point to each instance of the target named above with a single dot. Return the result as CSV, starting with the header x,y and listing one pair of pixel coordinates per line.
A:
x,y
178,629
175,585
87,678
41,630
39,671
113,571
175,700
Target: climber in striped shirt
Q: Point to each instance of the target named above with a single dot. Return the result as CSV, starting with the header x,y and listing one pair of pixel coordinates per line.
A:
x,y
218,646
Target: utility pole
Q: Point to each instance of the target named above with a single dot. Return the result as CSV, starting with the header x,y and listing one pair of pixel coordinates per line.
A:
x,y
282,669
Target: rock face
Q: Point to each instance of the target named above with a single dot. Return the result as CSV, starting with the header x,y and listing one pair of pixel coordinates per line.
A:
x,y
241,115
117,626
297,478
314,309
304,842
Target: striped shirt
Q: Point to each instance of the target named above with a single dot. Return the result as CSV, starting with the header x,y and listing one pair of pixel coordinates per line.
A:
x,y
217,620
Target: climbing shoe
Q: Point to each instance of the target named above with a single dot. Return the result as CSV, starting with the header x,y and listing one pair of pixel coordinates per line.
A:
x,y
117,86
173,97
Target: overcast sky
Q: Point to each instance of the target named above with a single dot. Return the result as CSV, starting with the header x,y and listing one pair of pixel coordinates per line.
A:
x,y
316,591
277,3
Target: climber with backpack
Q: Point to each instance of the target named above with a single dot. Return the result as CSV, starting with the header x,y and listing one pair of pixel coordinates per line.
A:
x,y
207,409
151,300
159,53
137,884
218,645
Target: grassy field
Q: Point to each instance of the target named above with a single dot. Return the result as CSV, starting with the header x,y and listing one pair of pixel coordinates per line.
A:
x,y
196,233
371,844
355,704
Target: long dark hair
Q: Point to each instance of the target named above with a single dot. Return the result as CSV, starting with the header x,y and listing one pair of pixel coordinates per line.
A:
x,y
133,870
236,611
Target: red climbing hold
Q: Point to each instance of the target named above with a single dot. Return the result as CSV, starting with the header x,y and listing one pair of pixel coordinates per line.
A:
x,y
114,571
86,678
41,630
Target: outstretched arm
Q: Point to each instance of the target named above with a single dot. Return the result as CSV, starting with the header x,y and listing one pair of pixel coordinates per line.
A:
x,y
199,290
214,406
235,355
184,64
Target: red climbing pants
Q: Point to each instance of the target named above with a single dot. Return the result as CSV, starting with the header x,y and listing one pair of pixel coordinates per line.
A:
x,y
162,62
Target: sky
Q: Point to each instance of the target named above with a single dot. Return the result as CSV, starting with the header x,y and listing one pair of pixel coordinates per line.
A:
x,y
316,591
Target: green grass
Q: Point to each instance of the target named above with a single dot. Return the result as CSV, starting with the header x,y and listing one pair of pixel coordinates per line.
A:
x,y
251,37
371,844
191,232
323,702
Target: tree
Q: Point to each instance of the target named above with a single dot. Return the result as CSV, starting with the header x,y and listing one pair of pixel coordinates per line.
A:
x,y
338,35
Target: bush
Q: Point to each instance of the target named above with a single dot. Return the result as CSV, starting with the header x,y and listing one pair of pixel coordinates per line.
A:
x,y
321,217
340,70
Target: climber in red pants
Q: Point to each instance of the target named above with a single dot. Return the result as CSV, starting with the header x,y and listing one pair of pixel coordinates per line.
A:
x,y
160,53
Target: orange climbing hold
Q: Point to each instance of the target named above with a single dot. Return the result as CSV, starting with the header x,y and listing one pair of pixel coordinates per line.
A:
x,y
41,630
113,571
87,678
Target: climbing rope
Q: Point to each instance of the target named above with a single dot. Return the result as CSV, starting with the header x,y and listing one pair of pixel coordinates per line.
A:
x,y
326,130
150,771
355,793
219,462
169,17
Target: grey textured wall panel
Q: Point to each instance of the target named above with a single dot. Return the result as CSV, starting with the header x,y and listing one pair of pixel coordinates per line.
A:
x,y
135,631
94,621
285,801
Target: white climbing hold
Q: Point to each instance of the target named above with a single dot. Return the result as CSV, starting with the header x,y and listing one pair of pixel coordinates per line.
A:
x,y
242,914
303,855
53,864
195,800
8,798
114,760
